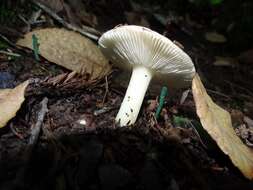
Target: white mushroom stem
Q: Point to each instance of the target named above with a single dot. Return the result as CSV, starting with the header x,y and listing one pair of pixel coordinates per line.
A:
x,y
130,107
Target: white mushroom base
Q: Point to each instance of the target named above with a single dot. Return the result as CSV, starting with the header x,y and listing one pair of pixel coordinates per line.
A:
x,y
130,107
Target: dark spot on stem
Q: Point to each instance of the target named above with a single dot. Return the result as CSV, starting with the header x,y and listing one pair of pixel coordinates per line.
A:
x,y
131,110
146,75
128,122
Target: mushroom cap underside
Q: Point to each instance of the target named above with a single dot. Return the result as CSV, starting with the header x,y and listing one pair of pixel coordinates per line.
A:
x,y
129,46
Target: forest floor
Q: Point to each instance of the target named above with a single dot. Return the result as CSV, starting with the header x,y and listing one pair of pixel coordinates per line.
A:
x,y
171,152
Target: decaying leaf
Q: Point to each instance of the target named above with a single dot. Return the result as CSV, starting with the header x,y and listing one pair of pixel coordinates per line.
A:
x,y
70,50
224,61
10,102
215,37
217,122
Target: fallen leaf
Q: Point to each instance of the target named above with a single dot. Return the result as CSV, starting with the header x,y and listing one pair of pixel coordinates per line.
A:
x,y
217,122
70,50
224,61
215,37
10,102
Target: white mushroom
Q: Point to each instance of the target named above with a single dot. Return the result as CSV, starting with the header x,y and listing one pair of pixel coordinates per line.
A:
x,y
150,55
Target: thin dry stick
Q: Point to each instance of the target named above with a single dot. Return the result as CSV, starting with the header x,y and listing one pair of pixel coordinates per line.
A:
x,y
106,89
218,93
9,53
18,183
37,128
7,41
64,23
240,87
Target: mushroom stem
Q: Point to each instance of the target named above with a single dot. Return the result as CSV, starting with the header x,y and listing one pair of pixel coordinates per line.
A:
x,y
130,107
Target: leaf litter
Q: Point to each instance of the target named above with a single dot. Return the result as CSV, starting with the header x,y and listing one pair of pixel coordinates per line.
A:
x,y
70,50
81,148
10,102
218,124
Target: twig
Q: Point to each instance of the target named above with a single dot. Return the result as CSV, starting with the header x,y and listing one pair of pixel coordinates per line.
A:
x,y
15,132
34,18
240,87
102,111
91,30
64,23
197,133
7,41
25,21
37,128
106,89
9,53
19,181
218,93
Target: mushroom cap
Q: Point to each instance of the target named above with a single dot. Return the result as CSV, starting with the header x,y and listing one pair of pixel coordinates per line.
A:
x,y
130,45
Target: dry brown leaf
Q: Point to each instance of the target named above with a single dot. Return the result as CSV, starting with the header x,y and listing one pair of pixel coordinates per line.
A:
x,y
70,50
10,102
217,122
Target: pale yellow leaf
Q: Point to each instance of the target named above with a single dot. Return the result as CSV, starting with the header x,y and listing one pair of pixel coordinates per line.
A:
x,y
70,50
224,61
215,37
10,102
217,122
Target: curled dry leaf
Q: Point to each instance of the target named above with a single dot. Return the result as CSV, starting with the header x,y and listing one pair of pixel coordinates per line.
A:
x,y
70,50
10,102
217,122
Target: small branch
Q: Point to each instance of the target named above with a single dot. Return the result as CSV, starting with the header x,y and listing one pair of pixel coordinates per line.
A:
x,y
19,182
64,23
7,41
37,128
218,93
106,89
9,53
